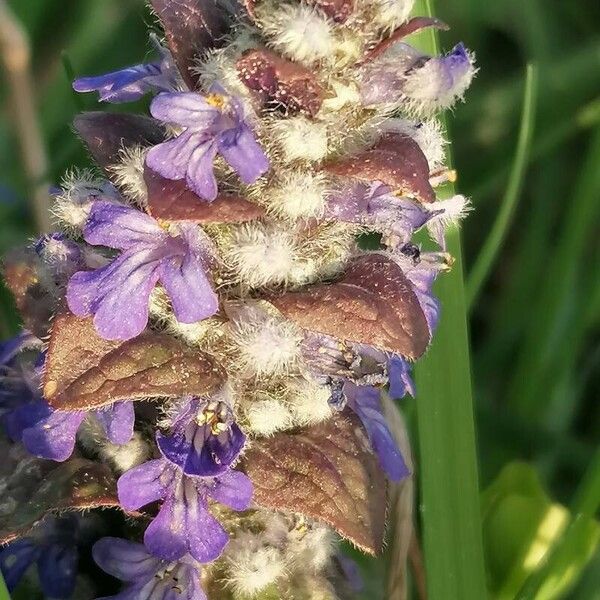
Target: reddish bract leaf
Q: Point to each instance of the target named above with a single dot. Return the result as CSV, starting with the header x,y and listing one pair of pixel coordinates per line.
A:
x,y
337,10
35,488
36,303
277,80
105,134
84,371
412,26
396,160
250,5
192,27
373,303
172,200
325,472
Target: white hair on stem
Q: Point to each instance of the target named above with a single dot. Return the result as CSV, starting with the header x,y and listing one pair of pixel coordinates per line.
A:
x,y
308,402
261,254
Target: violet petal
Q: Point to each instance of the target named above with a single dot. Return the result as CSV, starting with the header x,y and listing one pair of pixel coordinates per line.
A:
x,y
189,288
117,420
120,227
245,155
232,488
54,436
143,484
117,295
187,109
125,560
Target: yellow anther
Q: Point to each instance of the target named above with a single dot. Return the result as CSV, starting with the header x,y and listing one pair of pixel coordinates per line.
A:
x,y
217,100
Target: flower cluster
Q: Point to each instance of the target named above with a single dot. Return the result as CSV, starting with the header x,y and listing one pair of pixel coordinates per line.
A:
x,y
212,311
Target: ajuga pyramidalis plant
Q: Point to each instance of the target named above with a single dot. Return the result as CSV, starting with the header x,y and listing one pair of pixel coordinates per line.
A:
x,y
206,344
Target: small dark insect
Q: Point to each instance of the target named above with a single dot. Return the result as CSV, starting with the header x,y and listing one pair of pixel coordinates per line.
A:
x,y
412,251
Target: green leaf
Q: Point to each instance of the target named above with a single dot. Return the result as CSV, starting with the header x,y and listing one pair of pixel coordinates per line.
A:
x,y
4,595
527,556
568,553
450,507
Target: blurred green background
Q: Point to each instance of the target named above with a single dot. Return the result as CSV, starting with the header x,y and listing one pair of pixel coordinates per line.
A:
x,y
535,324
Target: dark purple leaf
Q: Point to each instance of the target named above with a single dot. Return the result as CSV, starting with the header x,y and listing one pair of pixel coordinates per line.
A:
x,y
35,488
84,371
191,28
409,27
173,201
36,303
325,472
279,81
373,303
396,160
105,134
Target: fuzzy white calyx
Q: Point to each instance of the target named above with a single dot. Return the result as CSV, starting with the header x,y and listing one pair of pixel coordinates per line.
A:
x,y
388,14
252,565
428,88
266,417
297,30
342,94
297,195
79,189
264,344
311,547
262,255
454,210
300,139
129,173
309,402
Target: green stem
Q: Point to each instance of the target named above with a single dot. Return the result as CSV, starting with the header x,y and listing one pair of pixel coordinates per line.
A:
x,y
452,540
488,254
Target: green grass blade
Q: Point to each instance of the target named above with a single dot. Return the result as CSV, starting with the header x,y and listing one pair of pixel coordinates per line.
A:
x,y
4,595
488,254
450,507
551,323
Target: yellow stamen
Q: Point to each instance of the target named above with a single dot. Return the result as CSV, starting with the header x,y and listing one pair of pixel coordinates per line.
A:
x,y
217,100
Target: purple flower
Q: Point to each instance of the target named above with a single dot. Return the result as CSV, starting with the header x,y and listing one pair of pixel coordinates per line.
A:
x,y
400,381
213,124
405,75
422,274
20,373
118,294
365,401
205,439
53,547
183,524
376,207
53,433
132,83
145,575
